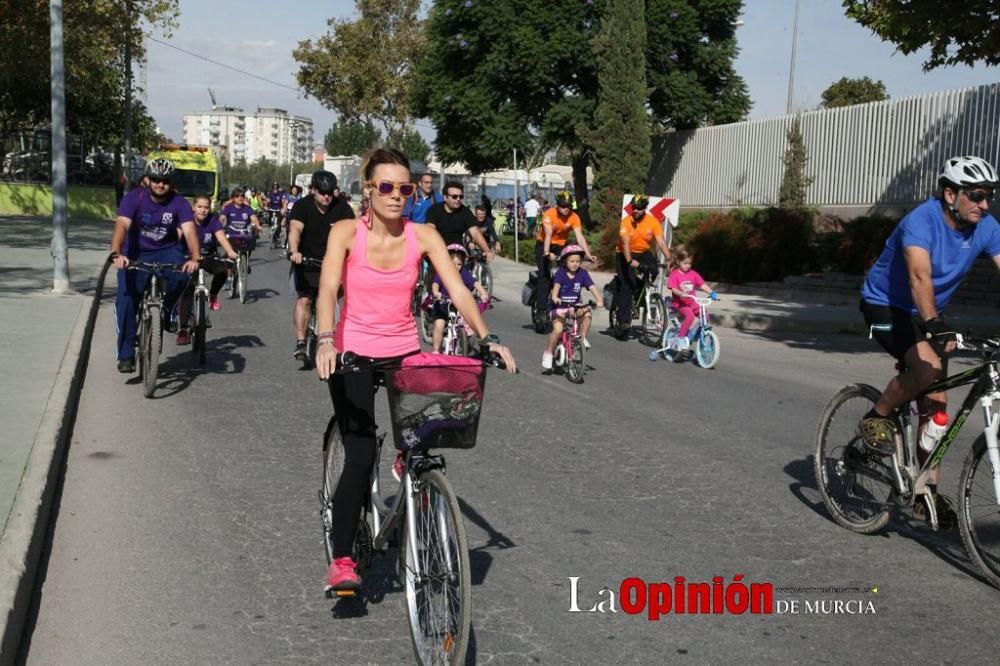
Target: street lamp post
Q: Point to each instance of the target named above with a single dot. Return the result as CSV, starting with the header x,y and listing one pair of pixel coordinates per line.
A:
x,y
791,66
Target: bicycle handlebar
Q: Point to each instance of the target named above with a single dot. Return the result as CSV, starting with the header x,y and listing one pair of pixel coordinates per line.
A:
x,y
309,261
348,361
153,266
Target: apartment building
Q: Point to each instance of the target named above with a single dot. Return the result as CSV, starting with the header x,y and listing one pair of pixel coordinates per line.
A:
x,y
269,132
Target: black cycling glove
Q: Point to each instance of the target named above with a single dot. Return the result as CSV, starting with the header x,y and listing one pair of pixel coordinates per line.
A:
x,y
939,330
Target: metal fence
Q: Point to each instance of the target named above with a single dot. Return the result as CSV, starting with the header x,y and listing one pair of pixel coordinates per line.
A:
x,y
870,155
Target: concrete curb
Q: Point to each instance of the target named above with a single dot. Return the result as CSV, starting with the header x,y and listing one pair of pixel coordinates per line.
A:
x,y
26,530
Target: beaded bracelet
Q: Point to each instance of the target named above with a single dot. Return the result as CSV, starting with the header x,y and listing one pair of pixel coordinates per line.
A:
x,y
326,335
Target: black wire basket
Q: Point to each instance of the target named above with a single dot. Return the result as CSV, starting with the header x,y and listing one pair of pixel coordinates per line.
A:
x,y
436,407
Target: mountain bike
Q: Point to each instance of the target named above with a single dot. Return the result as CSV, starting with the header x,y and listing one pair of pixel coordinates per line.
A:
x,y
647,305
705,345
861,488
199,312
481,270
238,281
570,351
149,339
432,405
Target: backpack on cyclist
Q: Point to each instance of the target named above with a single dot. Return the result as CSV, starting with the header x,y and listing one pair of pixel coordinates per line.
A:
x,y
610,290
529,289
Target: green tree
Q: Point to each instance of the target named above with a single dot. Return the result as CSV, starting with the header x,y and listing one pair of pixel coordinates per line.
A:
x,y
410,142
503,75
846,92
362,68
959,32
94,42
351,137
794,182
621,139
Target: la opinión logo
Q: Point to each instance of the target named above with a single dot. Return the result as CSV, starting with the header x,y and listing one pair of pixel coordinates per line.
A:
x,y
636,596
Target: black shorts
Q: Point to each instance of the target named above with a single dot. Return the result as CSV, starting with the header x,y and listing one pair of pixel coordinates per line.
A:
x,y
895,330
305,281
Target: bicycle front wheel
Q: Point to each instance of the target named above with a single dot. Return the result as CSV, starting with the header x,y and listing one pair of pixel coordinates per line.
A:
x,y
979,515
242,285
707,349
856,484
426,326
652,320
437,582
200,327
574,364
150,344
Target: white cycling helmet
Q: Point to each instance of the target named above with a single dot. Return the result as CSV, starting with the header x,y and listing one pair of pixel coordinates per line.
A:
x,y
160,168
968,171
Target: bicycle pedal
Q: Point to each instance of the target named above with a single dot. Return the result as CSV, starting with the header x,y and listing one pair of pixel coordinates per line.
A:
x,y
341,594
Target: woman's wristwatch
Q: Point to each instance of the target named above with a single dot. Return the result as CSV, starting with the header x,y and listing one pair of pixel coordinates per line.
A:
x,y
492,339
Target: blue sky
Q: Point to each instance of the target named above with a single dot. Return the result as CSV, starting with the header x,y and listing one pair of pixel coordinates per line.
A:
x,y
259,35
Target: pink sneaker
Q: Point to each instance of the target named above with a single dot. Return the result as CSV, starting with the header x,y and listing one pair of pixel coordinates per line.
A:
x,y
183,337
213,302
342,578
397,467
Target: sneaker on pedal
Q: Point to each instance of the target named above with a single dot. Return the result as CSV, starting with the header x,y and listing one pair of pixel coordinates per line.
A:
x,y
397,467
183,337
682,344
342,576
546,361
878,433
126,366
586,343
214,303
300,350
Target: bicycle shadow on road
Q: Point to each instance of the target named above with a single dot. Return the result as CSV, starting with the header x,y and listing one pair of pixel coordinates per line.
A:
x,y
176,372
379,579
480,561
254,295
947,545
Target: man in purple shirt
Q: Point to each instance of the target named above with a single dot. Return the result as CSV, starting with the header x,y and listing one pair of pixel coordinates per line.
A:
x,y
146,230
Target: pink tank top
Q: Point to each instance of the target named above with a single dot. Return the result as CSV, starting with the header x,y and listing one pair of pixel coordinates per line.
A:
x,y
375,320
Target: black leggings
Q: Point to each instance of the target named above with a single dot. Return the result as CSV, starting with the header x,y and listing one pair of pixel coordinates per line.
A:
x,y
628,284
353,396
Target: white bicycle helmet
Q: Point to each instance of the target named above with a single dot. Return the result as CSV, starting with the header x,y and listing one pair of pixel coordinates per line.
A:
x,y
160,168
968,171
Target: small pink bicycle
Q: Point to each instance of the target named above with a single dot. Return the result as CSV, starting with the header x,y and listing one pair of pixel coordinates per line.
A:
x,y
570,351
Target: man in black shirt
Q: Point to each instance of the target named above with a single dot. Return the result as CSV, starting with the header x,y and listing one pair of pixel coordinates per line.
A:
x,y
310,221
453,219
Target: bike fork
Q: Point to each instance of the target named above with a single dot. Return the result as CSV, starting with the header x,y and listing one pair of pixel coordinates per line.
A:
x,y
990,431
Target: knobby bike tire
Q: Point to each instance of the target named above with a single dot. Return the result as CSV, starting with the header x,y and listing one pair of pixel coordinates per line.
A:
x,y
707,349
978,517
426,326
151,350
244,260
200,328
439,604
486,278
575,364
856,485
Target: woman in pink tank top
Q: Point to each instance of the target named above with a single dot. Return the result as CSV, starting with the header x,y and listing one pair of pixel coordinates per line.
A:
x,y
375,259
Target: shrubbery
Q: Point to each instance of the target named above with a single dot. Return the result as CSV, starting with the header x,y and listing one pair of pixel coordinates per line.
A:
x,y
758,244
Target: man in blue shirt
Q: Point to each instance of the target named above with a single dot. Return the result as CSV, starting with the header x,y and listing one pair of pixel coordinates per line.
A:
x,y
416,207
907,290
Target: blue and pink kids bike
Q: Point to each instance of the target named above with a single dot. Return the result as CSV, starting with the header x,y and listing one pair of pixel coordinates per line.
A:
x,y
703,348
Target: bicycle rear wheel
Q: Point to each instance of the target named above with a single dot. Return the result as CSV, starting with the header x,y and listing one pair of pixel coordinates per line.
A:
x,y
856,485
652,320
200,327
979,516
242,273
333,467
575,364
438,600
706,349
486,277
150,349
426,326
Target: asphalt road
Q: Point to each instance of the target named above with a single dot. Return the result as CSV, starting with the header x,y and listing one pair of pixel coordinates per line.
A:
x,y
189,531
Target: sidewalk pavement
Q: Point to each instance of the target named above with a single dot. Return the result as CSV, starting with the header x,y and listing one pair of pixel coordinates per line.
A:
x,y
772,310
44,344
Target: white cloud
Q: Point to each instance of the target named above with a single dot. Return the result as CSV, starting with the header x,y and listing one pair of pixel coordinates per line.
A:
x,y
251,42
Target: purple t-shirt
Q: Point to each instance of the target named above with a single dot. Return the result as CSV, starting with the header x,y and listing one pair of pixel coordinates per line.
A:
x,y
238,220
154,224
206,234
274,200
465,274
571,287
